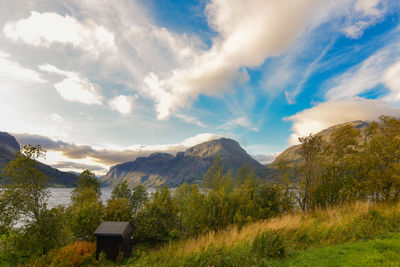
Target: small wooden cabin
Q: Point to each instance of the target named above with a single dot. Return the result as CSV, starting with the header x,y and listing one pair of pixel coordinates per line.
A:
x,y
114,238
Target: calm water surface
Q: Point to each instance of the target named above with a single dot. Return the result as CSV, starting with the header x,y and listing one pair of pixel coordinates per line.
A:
x,y
62,196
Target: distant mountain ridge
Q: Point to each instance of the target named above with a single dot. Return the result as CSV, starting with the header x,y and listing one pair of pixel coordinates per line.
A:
x,y
188,166
9,146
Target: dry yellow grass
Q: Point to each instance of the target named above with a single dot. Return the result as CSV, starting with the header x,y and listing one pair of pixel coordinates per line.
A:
x,y
321,218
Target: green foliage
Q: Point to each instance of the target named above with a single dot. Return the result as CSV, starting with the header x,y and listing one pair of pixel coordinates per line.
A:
x,y
158,220
213,178
85,213
50,232
27,189
137,196
382,159
118,210
87,179
191,206
352,165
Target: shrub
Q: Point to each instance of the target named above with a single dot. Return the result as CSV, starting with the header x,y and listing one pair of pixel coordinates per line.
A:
x,y
77,254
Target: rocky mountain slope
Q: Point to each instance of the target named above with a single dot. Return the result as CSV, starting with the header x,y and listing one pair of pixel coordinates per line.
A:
x,y
9,146
188,166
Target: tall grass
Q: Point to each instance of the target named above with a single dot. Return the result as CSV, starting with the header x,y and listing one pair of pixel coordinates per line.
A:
x,y
295,231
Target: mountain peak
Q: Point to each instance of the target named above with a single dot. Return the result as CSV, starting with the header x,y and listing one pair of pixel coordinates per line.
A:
x,y
188,166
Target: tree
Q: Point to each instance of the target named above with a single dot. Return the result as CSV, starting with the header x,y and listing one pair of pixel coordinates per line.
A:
x,y
8,217
137,196
27,188
191,209
118,209
87,210
309,150
213,177
85,180
340,168
382,159
158,221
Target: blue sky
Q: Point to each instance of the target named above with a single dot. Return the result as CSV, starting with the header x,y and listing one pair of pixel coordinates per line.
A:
x,y
98,83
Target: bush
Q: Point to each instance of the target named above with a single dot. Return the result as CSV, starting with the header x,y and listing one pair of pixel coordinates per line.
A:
x,y
77,254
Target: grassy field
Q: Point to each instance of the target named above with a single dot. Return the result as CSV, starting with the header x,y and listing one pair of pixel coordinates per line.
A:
x,y
382,251
295,239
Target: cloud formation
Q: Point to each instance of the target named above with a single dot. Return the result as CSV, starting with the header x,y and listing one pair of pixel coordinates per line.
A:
x,y
75,87
379,68
11,70
334,112
123,104
364,14
266,29
44,29
242,121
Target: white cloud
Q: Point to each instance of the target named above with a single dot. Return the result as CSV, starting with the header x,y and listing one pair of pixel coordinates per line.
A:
x,y
44,29
53,117
75,87
243,121
364,14
11,70
376,69
391,78
200,138
266,158
249,32
189,119
123,104
334,112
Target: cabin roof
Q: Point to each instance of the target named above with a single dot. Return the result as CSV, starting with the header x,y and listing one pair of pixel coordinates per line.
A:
x,y
121,229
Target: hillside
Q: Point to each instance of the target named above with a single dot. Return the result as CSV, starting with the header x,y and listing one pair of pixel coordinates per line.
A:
x,y
292,155
188,166
9,146
295,239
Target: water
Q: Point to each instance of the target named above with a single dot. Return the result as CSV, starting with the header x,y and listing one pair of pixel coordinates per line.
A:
x,y
62,196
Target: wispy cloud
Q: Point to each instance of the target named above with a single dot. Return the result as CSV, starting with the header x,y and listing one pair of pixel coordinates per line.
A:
x,y
242,121
75,87
379,68
11,70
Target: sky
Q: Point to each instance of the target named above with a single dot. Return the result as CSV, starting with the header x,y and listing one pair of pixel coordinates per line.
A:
x,y
98,82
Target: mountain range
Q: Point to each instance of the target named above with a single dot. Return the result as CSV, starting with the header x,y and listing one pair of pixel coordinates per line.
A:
x,y
172,170
9,146
188,166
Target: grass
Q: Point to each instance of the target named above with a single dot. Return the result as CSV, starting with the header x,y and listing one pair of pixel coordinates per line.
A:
x,y
285,235
382,251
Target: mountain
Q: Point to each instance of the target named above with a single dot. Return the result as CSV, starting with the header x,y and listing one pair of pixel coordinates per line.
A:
x,y
188,166
9,146
291,155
